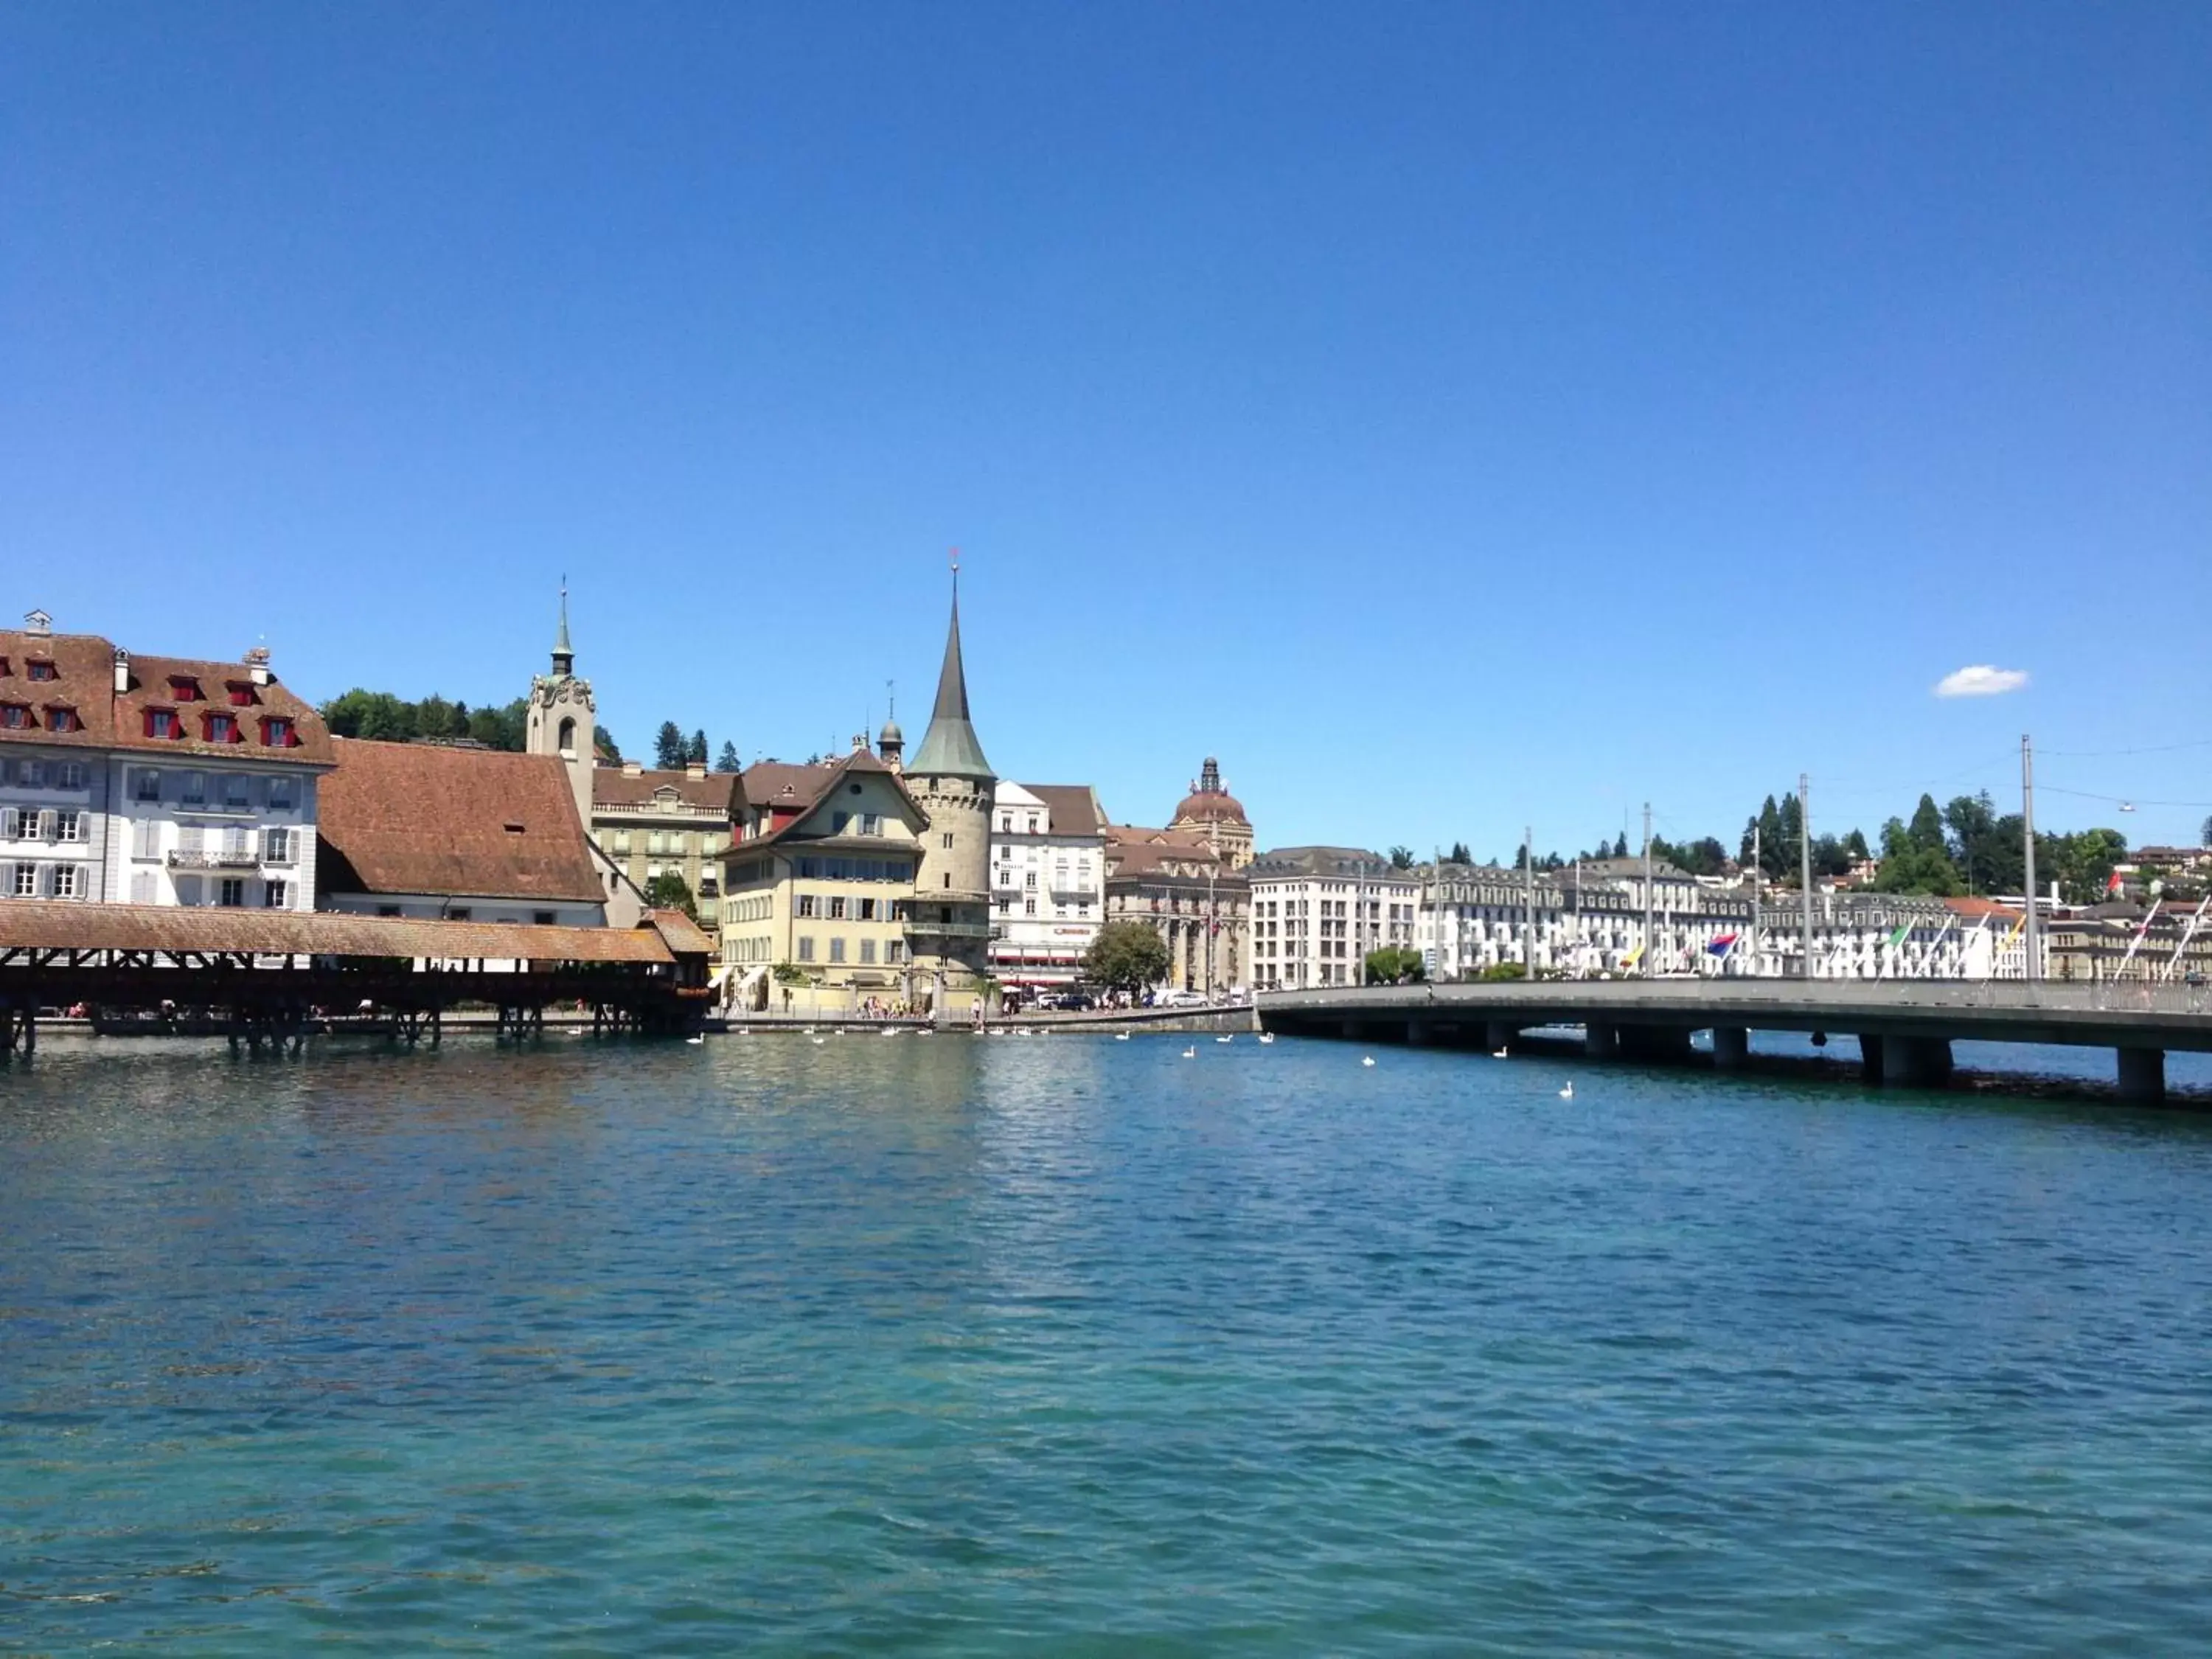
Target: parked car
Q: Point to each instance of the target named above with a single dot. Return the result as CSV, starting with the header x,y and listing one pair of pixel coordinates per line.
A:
x,y
1179,1000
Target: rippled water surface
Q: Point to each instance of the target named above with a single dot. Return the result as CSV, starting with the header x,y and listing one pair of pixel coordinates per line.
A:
x,y
1074,1345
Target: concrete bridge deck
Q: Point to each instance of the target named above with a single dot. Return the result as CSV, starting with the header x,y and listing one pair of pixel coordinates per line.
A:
x,y
1905,1028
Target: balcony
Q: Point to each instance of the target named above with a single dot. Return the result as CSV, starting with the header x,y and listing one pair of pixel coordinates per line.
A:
x,y
976,930
178,860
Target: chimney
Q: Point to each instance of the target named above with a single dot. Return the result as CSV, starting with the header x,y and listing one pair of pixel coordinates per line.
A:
x,y
633,769
695,769
37,625
122,670
256,665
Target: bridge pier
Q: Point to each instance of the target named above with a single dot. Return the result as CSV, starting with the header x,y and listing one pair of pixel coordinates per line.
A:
x,y
1731,1047
1599,1040
1905,1062
2142,1076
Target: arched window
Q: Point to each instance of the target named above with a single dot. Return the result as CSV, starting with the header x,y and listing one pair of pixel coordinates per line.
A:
x,y
568,737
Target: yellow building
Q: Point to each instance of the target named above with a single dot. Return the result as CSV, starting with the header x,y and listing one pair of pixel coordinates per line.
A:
x,y
654,823
817,891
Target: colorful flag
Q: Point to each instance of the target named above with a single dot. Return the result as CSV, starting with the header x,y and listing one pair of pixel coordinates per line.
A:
x,y
1899,938
1722,946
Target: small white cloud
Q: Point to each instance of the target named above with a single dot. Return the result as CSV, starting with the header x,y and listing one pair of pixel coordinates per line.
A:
x,y
1981,680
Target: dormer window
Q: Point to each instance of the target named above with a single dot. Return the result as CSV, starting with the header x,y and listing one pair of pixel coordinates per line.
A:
x,y
16,716
241,693
41,670
6,669
60,717
163,723
276,732
184,687
221,728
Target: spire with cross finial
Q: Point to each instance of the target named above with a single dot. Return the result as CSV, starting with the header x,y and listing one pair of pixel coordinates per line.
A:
x,y
950,746
564,658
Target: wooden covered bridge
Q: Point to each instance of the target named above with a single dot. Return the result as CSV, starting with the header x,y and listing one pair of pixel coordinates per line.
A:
x,y
265,975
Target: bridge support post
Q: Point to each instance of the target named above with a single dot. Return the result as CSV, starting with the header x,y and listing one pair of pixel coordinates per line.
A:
x,y
1600,1042
1872,1059
1731,1046
1916,1062
2142,1076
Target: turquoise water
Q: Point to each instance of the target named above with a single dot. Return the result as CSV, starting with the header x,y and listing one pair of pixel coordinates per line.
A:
x,y
1078,1346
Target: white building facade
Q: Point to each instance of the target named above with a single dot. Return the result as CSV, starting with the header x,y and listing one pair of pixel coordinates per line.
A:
x,y
1047,882
1589,923
153,779
1318,911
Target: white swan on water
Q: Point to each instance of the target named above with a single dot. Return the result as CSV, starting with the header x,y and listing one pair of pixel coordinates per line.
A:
x,y
1190,1054
1568,1093
1368,1060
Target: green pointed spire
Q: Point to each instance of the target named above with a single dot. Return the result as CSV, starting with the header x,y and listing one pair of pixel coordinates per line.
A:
x,y
950,746
564,657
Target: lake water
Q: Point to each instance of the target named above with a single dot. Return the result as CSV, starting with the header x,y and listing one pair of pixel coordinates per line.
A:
x,y
1070,1345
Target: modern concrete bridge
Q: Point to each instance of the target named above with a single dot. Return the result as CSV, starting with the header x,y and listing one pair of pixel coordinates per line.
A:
x,y
1905,1028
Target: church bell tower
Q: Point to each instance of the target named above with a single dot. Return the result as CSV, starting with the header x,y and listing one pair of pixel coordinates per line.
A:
x,y
563,719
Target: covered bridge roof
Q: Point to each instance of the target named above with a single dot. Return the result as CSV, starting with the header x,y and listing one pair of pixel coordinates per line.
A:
x,y
66,925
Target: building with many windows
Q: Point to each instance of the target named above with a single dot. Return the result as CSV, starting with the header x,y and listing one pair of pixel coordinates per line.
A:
x,y
153,779
1185,888
1318,911
650,824
817,890
1047,882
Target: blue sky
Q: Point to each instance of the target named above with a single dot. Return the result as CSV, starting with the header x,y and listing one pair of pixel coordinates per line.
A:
x,y
1452,416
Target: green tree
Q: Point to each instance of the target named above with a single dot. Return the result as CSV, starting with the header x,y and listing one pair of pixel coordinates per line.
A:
x,y
1396,964
728,760
377,716
1459,854
1926,830
604,741
694,752
1401,858
1501,970
1127,956
668,747
1620,845
669,891
507,727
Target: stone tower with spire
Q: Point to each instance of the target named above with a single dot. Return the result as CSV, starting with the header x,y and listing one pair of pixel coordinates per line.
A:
x,y
949,932
564,720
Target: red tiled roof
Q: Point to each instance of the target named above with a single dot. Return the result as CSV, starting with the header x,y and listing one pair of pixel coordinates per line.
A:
x,y
39,923
1973,909
613,785
798,794
84,681
1073,806
775,784
406,817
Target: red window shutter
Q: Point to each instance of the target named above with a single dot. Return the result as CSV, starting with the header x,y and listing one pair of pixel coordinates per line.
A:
x,y
147,715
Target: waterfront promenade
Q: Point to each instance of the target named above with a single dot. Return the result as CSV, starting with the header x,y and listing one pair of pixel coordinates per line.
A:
x,y
1903,1028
